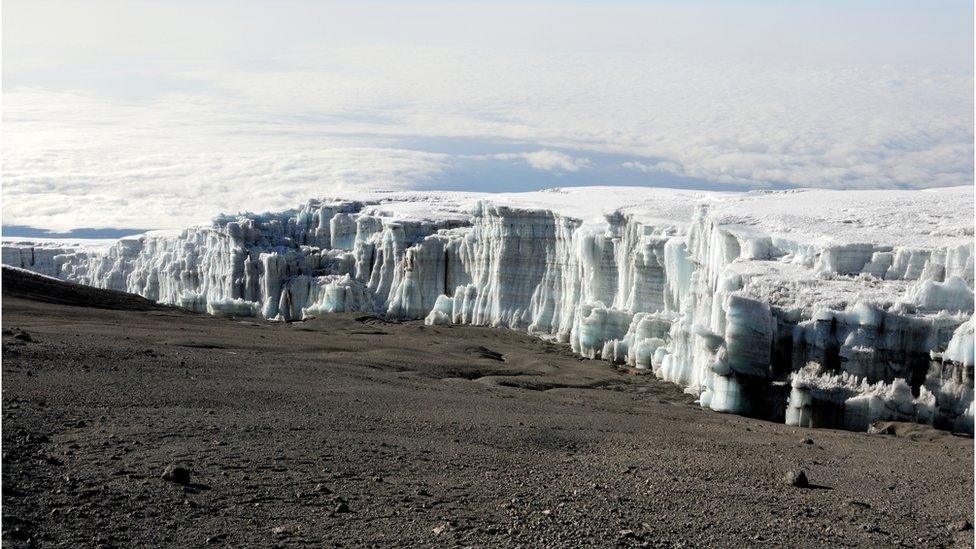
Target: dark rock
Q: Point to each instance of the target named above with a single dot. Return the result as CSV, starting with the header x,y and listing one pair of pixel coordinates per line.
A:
x,y
23,336
285,530
342,507
807,441
883,428
20,532
798,478
177,474
960,526
322,489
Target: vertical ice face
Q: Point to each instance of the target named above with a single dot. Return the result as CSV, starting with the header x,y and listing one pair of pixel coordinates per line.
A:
x,y
39,259
782,305
960,348
520,269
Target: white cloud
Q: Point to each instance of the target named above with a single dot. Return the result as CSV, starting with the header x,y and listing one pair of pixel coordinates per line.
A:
x,y
74,161
225,121
655,167
551,161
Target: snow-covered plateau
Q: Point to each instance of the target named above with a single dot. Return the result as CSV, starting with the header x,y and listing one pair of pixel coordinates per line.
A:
x,y
820,308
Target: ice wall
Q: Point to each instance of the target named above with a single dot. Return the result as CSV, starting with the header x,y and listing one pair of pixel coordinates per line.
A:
x,y
756,315
34,258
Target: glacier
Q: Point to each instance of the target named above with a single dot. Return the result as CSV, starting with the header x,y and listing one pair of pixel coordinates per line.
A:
x,y
817,308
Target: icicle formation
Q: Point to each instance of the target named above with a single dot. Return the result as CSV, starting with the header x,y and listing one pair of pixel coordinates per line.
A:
x,y
753,317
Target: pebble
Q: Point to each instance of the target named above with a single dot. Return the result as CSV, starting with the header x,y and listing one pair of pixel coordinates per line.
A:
x,y
960,526
284,530
798,478
177,474
856,503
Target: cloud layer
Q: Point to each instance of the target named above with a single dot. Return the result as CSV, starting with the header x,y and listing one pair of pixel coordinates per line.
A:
x,y
223,127
551,161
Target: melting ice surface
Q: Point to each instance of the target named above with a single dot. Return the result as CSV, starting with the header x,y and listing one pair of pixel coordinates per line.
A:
x,y
818,308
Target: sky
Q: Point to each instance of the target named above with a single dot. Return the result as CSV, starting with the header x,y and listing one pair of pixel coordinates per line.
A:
x,y
150,115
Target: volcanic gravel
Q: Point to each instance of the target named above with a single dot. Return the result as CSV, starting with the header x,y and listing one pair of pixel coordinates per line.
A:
x,y
128,424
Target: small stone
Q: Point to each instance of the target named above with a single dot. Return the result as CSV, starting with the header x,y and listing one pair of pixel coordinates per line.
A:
x,y
626,533
960,526
439,529
882,428
24,336
284,530
342,507
322,489
797,478
20,533
177,474
807,441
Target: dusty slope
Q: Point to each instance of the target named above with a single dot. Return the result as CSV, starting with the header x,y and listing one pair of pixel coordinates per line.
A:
x,y
429,436
28,285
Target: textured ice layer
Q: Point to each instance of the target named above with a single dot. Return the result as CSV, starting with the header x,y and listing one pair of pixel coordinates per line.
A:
x,y
732,296
38,254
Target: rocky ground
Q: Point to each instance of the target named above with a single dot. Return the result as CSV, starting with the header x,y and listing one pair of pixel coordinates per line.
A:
x,y
350,431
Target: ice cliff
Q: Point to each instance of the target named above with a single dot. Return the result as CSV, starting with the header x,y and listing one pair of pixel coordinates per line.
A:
x,y
820,308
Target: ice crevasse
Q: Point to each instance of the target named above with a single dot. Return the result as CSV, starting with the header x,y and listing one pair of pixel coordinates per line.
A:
x,y
818,308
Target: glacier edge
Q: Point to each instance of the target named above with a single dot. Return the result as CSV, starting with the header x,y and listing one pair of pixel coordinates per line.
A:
x,y
763,304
